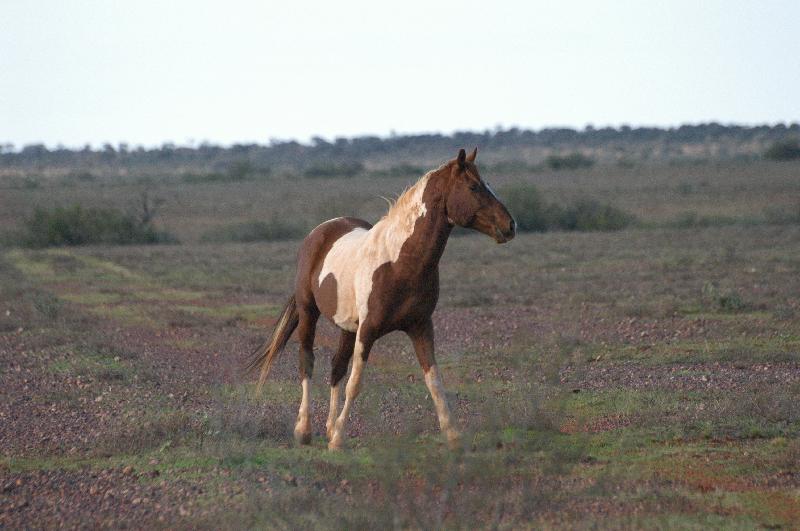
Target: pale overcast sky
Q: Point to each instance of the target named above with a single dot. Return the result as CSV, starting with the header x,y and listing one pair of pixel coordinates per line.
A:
x,y
146,72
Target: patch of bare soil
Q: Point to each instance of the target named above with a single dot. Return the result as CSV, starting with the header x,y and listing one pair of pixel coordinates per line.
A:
x,y
681,377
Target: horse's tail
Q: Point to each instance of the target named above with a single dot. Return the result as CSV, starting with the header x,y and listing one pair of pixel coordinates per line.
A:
x,y
264,356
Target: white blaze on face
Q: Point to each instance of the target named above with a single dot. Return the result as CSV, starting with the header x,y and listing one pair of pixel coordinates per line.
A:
x,y
491,191
355,256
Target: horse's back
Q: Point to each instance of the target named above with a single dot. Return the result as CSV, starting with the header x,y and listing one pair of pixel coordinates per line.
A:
x,y
311,289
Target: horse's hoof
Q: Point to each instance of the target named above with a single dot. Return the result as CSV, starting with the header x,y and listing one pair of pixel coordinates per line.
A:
x,y
454,440
335,443
302,438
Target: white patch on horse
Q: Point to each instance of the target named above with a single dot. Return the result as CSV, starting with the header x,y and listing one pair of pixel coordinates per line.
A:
x,y
339,262
333,412
303,427
354,257
436,388
350,393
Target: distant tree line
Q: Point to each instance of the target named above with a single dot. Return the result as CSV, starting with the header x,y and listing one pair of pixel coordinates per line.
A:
x,y
350,152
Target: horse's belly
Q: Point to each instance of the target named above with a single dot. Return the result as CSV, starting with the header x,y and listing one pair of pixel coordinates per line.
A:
x,y
336,293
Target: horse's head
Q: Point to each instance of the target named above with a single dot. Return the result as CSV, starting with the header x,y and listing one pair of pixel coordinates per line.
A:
x,y
472,204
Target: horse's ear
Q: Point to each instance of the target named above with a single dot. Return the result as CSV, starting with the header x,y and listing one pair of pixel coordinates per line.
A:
x,y
462,157
471,156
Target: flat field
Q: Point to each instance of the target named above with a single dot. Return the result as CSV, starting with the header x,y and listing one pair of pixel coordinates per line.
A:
x,y
647,378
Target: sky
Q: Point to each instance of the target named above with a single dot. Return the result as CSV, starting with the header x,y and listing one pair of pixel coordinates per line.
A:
x,y
147,72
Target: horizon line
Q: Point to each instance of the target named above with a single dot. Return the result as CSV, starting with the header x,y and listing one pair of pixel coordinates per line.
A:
x,y
191,143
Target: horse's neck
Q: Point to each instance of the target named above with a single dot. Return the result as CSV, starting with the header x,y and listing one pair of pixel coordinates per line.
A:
x,y
421,253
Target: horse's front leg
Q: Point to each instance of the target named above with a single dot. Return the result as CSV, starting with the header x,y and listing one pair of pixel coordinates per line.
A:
x,y
422,337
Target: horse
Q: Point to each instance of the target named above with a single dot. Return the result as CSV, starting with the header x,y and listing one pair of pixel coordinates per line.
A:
x,y
370,280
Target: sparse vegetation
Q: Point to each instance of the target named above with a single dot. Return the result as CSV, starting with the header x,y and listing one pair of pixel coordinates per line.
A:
x,y
637,379
329,170
723,300
783,150
571,161
533,214
237,171
399,170
253,231
687,399
82,226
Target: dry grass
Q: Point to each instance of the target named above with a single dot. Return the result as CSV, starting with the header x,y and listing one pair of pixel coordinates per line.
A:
x,y
574,361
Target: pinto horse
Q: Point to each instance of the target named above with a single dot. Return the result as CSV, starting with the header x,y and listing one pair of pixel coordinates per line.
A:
x,y
372,280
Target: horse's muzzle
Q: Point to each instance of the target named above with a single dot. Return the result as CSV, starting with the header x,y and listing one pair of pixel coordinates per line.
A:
x,y
503,236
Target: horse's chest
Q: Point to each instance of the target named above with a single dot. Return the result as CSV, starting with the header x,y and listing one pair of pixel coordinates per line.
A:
x,y
398,299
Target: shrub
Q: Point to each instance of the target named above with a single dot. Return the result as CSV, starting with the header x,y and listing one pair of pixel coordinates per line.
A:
x,y
274,229
784,150
399,170
329,170
533,214
589,215
572,161
525,203
725,301
83,226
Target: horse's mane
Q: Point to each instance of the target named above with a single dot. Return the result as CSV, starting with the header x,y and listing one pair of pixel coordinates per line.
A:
x,y
406,208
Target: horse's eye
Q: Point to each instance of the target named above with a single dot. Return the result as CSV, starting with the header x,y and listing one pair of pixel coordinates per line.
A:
x,y
474,187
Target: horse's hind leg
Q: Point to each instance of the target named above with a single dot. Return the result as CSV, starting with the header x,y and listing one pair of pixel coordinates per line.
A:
x,y
363,344
305,334
339,362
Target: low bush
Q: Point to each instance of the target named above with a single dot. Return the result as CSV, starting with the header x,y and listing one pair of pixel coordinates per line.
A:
x,y
526,205
588,215
571,161
75,177
784,150
83,226
274,229
330,170
399,170
723,300
533,214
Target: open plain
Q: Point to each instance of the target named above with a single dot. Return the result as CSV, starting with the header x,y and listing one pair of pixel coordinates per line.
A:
x,y
643,378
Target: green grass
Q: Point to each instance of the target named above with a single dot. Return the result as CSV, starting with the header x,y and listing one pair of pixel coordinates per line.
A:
x,y
246,312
